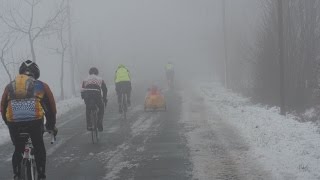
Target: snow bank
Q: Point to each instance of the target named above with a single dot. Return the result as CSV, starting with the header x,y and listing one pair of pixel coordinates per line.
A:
x,y
289,149
66,105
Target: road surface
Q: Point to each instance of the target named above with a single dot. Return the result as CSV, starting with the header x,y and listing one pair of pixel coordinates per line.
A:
x,y
148,145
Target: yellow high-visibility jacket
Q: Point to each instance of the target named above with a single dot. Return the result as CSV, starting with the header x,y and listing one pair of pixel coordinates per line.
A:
x,y
122,74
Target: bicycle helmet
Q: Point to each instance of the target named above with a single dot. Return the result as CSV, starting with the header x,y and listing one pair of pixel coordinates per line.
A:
x,y
30,68
94,71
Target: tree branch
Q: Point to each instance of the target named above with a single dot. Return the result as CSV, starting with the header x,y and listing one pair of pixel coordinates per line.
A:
x,y
48,23
5,20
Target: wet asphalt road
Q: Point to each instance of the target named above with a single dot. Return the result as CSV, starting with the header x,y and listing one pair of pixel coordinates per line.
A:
x,y
148,145
178,144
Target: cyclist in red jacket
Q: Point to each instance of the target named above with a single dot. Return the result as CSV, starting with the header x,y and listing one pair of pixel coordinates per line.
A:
x,y
94,92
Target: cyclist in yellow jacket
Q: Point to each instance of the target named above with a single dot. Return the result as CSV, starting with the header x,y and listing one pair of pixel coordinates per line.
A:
x,y
123,84
170,74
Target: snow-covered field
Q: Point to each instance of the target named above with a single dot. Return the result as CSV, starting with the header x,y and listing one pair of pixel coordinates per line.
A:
x,y
285,147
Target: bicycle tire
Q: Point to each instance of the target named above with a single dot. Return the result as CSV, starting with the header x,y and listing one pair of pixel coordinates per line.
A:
x,y
94,131
23,170
124,105
27,171
96,126
33,170
93,126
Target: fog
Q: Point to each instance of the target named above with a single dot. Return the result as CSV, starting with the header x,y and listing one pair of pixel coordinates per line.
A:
x,y
238,48
141,34
244,101
145,35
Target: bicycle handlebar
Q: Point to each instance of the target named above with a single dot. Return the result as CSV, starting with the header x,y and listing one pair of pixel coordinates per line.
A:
x,y
53,137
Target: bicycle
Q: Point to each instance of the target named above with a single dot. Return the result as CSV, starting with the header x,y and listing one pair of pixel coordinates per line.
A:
x,y
28,168
170,84
94,122
123,104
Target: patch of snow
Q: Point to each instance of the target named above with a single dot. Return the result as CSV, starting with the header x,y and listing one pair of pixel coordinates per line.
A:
x,y
309,113
66,105
287,148
142,124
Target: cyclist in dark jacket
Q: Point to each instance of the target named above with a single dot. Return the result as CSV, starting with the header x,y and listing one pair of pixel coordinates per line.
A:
x,y
25,102
92,87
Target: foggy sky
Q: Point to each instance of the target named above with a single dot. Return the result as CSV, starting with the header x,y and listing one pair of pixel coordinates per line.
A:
x,y
146,34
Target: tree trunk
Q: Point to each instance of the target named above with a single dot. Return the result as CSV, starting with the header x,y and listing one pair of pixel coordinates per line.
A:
x,y
32,48
72,63
62,76
281,57
6,69
226,72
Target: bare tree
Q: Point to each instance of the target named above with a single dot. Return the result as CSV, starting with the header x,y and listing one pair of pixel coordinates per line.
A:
x,y
62,49
225,42
25,24
300,44
281,57
72,59
8,43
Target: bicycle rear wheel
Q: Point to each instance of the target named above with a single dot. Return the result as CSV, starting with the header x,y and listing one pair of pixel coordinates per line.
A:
x,y
28,170
94,132
124,106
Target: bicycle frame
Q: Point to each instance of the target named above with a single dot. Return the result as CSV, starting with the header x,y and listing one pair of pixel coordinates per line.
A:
x,y
28,169
28,149
28,166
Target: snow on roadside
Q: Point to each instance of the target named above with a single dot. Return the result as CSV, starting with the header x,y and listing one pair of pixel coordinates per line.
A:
x,y
66,105
62,108
287,148
4,133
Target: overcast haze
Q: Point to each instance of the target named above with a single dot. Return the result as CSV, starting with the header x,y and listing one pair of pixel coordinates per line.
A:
x,y
144,35
243,104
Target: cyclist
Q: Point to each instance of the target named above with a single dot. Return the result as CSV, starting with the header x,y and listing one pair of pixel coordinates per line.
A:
x,y
25,102
123,83
92,87
170,73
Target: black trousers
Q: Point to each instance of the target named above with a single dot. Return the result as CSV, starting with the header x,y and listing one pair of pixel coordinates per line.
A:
x,y
35,129
170,75
123,87
93,99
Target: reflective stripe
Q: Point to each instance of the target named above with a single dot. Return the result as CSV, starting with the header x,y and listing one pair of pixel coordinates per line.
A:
x,y
89,89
